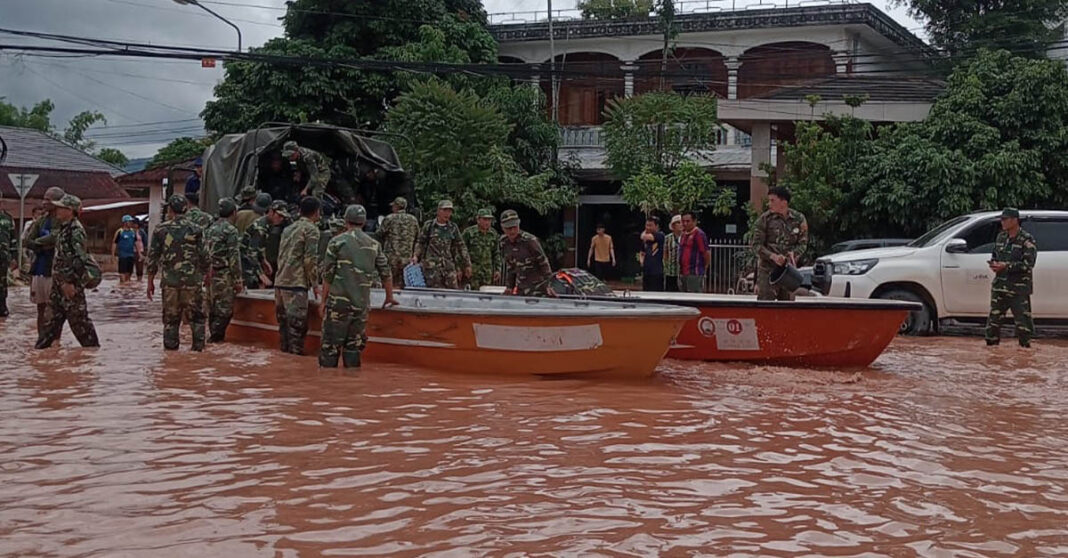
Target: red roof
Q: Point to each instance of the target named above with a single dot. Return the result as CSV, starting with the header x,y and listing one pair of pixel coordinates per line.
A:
x,y
151,177
85,185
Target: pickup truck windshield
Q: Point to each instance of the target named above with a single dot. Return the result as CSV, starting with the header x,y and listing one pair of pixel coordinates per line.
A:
x,y
933,234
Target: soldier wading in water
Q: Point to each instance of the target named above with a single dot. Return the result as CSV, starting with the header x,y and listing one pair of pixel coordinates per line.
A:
x,y
179,252
67,298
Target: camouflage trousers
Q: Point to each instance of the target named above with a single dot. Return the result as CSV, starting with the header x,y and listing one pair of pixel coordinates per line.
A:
x,y
317,187
183,303
766,291
250,272
291,311
222,291
396,267
481,277
440,277
73,310
344,334
4,264
1004,299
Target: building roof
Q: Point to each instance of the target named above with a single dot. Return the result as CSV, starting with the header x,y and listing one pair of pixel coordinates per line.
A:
x,y
880,88
34,149
115,205
84,184
151,177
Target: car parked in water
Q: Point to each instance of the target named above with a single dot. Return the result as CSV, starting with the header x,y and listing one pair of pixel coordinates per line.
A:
x,y
946,271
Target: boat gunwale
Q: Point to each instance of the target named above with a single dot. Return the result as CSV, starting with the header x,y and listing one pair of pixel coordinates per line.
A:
x,y
820,303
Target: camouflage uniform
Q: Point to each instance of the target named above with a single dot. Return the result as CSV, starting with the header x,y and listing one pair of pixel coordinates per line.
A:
x,y
353,261
272,239
223,245
202,219
8,254
782,235
246,212
298,260
1012,287
485,251
397,233
178,250
442,252
68,264
526,268
328,229
316,164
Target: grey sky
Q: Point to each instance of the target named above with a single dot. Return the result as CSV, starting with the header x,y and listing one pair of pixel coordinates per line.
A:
x,y
149,102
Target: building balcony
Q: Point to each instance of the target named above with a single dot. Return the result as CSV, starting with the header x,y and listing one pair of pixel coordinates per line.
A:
x,y
589,136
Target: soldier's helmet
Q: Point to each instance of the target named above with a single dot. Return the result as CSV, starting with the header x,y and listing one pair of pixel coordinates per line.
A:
x,y
227,207
248,193
178,203
288,148
356,214
280,207
70,202
262,203
400,202
509,219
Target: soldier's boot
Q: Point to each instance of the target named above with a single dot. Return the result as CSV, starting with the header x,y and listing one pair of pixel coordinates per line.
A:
x,y
352,359
44,341
170,336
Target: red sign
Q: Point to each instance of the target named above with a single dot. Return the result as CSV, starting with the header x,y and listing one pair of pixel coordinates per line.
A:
x,y
207,62
734,327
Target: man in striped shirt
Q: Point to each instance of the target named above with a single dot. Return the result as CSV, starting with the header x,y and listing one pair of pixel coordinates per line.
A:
x,y
694,255
671,255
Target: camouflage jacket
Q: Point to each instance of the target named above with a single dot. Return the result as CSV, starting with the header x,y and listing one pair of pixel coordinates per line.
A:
x,y
298,256
178,252
352,263
9,241
442,247
485,251
1020,254
318,168
776,234
224,249
252,248
526,268
245,217
71,253
33,239
272,240
202,219
397,234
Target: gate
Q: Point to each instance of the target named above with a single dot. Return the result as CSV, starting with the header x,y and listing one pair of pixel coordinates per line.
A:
x,y
730,258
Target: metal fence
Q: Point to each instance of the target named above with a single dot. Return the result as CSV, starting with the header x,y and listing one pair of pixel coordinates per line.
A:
x,y
681,7
727,266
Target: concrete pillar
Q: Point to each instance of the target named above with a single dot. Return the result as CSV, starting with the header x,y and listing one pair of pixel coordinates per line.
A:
x,y
155,205
628,68
535,77
761,155
732,64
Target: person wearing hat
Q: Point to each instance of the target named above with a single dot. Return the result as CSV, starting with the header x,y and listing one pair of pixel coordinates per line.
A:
x,y
194,213
352,262
526,267
124,248
780,238
274,223
253,240
484,246
41,240
192,184
224,274
316,167
9,257
441,251
67,299
250,208
1013,264
671,255
298,271
397,233
178,252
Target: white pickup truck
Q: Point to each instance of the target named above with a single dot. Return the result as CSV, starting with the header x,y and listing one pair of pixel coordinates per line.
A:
x,y
946,270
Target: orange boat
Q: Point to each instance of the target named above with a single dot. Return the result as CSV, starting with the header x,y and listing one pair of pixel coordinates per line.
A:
x,y
502,335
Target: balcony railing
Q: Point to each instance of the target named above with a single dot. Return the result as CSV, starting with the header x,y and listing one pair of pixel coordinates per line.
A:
x,y
681,7
590,136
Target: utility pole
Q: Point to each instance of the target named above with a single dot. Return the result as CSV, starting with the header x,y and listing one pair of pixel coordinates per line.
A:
x,y
552,68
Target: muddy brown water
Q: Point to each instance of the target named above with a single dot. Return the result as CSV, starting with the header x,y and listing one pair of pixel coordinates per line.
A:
x,y
942,448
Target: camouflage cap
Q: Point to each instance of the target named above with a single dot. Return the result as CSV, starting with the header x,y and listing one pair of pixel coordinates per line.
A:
x,y
289,147
248,193
401,202
227,207
54,194
70,202
1010,213
356,214
509,219
178,203
262,203
280,207
445,204
337,226
485,213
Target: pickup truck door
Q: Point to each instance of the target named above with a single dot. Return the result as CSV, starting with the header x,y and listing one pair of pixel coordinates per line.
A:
x,y
1050,299
966,277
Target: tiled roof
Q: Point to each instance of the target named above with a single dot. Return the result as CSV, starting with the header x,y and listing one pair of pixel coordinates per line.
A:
x,y
151,177
85,185
33,149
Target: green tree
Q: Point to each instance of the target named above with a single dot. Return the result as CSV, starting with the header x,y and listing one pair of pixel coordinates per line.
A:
x,y
113,156
964,26
39,117
615,9
178,150
459,150
74,135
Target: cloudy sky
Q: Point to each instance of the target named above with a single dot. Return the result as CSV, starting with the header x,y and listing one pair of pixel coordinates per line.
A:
x,y
149,102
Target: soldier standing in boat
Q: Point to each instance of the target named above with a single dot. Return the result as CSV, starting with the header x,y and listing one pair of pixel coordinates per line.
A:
x,y
397,235
780,238
178,251
316,165
526,268
67,298
298,271
440,248
484,246
352,262
1013,264
224,250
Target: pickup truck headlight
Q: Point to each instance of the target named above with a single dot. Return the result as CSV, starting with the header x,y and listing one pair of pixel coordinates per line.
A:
x,y
858,267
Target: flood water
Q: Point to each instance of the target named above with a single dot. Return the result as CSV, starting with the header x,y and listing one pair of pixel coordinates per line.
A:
x,y
943,448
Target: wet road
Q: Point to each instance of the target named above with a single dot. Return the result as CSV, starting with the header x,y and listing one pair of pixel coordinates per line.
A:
x,y
944,448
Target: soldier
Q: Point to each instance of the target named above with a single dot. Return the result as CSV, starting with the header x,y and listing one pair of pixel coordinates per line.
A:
x,y
298,260
484,246
441,250
197,216
781,237
178,251
327,231
397,235
1013,264
526,268
273,225
246,210
253,238
316,165
224,250
41,240
353,259
67,298
9,257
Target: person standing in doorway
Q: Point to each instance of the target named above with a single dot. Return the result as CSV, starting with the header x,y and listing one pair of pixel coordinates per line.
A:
x,y
602,256
1013,264
652,256
124,248
694,255
671,255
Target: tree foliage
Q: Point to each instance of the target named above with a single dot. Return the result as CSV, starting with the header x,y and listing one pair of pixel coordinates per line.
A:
x,y
460,150
964,26
615,9
74,135
39,117
113,156
178,150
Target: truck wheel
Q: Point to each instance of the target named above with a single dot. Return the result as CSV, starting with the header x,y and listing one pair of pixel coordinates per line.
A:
x,y
918,322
